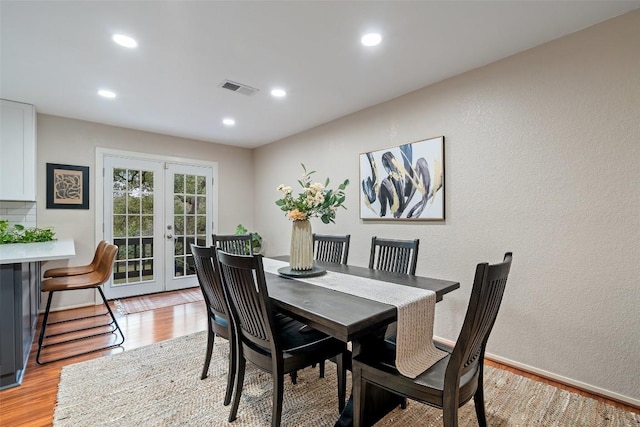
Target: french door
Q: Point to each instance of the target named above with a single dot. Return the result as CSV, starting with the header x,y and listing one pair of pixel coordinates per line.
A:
x,y
153,211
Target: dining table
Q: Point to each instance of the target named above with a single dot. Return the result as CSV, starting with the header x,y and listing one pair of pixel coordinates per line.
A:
x,y
349,318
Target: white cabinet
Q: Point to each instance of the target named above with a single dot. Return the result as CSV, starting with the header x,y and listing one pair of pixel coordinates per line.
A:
x,y
17,151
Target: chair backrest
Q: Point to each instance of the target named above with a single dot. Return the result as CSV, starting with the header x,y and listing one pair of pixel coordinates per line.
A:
x,y
204,259
103,270
238,244
486,295
328,248
98,253
245,287
396,256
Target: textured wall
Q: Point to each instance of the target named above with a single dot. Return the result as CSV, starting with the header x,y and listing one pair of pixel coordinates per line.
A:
x,y
542,159
74,142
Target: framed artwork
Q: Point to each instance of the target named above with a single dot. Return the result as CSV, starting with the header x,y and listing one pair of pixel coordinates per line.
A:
x,y
405,182
67,186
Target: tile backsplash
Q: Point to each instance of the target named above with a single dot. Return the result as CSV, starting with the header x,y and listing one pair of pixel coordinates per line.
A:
x,y
19,213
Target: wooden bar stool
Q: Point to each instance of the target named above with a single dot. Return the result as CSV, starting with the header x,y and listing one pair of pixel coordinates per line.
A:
x,y
81,269
92,280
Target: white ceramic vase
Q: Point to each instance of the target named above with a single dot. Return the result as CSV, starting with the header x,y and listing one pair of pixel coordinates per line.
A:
x,y
301,255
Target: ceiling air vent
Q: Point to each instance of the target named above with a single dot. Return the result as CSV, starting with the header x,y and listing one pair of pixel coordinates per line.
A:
x,y
238,87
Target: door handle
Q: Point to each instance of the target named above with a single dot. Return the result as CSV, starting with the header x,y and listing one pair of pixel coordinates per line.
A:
x,y
169,236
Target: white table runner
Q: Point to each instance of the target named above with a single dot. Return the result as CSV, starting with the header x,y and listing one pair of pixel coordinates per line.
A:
x,y
415,351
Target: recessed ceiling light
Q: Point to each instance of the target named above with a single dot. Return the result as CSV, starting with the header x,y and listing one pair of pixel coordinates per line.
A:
x,y
106,93
279,93
371,39
228,121
125,41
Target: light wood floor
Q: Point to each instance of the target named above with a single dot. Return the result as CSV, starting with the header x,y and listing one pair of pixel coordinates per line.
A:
x,y
32,404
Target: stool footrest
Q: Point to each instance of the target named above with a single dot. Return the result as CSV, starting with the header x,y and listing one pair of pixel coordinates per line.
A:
x,y
113,325
88,328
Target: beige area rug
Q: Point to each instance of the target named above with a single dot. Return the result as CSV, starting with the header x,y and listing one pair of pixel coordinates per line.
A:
x,y
154,301
160,385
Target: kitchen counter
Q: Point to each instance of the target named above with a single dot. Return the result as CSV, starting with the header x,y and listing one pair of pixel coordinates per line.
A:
x,y
20,284
32,252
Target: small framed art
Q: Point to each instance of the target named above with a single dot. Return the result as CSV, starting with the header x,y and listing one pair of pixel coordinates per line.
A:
x,y
67,186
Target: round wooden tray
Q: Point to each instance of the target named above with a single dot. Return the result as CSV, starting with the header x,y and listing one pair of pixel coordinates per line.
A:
x,y
289,272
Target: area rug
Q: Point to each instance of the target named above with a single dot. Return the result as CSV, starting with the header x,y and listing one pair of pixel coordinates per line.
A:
x,y
160,300
159,385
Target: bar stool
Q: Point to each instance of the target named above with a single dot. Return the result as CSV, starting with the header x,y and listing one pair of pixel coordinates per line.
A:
x,y
81,269
92,280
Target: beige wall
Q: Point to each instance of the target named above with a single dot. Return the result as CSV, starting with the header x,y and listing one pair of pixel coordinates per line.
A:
x,y
542,159
74,142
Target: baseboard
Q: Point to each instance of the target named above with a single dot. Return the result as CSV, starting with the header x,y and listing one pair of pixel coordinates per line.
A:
x,y
67,307
557,378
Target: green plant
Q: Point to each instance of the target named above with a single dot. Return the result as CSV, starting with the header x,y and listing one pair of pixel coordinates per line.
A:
x,y
316,200
18,233
256,239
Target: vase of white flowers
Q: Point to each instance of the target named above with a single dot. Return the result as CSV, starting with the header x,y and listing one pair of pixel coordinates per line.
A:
x,y
315,200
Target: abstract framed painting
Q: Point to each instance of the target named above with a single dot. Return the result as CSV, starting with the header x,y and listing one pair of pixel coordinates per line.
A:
x,y
67,186
405,182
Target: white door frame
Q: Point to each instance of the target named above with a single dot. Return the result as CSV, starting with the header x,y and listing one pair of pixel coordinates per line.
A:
x,y
101,153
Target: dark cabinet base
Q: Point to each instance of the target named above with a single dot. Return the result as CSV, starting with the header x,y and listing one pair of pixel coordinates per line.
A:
x,y
19,305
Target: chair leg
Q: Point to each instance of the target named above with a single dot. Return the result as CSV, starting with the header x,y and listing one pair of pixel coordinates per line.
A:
x,y
342,379
450,416
211,336
238,387
403,403
478,399
113,318
43,327
294,377
322,369
231,374
278,392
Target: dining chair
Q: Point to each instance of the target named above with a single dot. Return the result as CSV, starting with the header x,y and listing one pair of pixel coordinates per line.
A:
x,y
329,248
92,280
217,315
395,256
239,244
453,380
272,343
81,269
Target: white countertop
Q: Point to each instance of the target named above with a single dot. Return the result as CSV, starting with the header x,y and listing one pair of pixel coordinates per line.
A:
x,y
31,252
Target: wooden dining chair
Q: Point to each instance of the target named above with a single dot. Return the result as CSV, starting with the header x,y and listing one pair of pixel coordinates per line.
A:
x,y
239,244
453,380
92,280
272,343
395,256
329,248
218,318
81,269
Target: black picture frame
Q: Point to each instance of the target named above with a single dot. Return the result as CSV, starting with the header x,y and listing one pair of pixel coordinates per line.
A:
x,y
67,186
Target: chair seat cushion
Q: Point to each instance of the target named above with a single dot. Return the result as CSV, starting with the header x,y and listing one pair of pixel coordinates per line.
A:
x,y
221,321
65,283
432,378
293,340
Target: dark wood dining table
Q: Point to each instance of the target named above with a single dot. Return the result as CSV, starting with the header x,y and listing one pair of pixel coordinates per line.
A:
x,y
349,318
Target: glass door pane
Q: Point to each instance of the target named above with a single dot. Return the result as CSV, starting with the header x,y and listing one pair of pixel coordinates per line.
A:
x,y
133,205
190,205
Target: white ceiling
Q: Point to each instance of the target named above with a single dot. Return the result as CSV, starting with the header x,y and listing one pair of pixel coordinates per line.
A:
x,y
57,54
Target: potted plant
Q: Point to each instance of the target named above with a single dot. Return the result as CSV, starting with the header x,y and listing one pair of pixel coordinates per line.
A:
x,y
18,233
256,239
